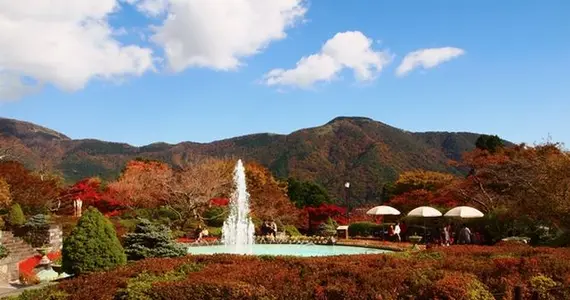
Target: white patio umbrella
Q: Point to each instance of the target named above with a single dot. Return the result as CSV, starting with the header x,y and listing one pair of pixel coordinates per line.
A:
x,y
465,212
425,212
383,210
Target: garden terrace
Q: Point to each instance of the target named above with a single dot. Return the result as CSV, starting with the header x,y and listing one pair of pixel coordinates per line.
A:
x,y
461,272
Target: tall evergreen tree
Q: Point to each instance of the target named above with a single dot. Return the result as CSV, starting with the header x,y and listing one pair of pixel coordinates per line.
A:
x,y
150,240
92,245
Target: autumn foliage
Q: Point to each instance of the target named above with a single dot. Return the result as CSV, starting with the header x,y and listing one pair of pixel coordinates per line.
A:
x,y
5,195
34,194
320,214
462,272
269,197
92,193
526,181
423,188
143,184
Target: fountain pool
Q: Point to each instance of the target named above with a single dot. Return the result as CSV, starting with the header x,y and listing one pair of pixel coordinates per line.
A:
x,y
286,249
238,232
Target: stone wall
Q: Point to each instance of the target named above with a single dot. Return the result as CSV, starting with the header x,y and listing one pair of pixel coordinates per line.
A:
x,y
55,238
20,250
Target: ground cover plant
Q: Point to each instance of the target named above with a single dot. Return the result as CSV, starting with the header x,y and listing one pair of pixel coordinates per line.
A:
x,y
462,272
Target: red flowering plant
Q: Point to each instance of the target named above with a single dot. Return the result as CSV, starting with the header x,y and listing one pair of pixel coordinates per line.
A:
x,y
320,214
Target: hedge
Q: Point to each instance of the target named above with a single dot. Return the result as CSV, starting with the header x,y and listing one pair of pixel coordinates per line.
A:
x,y
459,272
364,229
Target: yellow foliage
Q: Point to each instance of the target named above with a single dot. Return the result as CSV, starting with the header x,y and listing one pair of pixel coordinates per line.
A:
x,y
421,179
5,196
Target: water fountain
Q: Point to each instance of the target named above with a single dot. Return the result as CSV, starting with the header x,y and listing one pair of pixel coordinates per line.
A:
x,y
238,231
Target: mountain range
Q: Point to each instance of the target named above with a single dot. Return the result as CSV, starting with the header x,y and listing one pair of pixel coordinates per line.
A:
x,y
364,152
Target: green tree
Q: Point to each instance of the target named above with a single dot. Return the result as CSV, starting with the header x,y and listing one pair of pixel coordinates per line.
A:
x,y
92,245
491,143
17,217
306,193
150,240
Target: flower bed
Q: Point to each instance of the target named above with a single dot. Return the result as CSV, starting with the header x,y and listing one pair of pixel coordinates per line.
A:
x,y
461,272
27,266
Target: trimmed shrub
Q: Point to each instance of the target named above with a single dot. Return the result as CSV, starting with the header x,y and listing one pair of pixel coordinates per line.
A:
x,y
17,217
328,228
291,230
138,288
92,245
150,240
363,229
543,284
458,286
47,293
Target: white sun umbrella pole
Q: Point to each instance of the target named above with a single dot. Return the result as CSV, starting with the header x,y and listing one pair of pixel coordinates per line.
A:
x,y
383,210
425,212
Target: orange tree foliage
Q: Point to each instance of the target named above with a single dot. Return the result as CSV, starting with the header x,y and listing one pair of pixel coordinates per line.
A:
x,y
5,196
143,184
415,198
460,272
269,197
527,181
27,189
422,180
419,188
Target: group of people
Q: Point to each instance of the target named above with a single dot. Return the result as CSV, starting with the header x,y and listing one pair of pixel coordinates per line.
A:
x,y
269,228
447,235
396,231
464,236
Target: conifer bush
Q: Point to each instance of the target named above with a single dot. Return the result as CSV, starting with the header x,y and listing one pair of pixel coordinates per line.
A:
x,y
150,240
17,217
92,245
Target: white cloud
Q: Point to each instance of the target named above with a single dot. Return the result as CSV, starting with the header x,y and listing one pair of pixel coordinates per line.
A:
x,y
427,58
12,87
350,49
152,8
218,34
64,43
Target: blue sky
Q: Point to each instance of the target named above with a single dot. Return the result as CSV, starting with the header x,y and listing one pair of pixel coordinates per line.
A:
x,y
512,77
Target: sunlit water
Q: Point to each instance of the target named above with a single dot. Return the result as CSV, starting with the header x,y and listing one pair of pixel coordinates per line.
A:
x,y
238,229
287,249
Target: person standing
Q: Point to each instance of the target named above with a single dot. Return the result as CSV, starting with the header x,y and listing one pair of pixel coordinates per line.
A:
x,y
274,228
397,231
464,235
446,235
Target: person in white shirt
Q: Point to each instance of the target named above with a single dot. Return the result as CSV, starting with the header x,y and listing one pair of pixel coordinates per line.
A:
x,y
397,231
